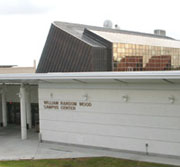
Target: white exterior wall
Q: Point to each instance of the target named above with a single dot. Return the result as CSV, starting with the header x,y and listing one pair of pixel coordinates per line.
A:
x,y
147,117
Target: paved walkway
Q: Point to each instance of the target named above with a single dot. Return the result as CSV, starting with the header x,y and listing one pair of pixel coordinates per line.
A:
x,y
13,148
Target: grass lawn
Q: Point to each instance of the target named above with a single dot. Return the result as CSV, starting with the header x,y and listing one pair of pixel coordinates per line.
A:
x,y
80,162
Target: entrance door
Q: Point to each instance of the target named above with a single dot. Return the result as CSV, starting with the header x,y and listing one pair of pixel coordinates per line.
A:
x,y
14,117
13,112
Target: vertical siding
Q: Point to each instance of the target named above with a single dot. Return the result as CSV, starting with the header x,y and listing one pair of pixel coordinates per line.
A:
x,y
99,59
65,53
105,43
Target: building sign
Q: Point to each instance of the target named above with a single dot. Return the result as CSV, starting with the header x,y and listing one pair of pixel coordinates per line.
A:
x,y
65,105
51,105
85,104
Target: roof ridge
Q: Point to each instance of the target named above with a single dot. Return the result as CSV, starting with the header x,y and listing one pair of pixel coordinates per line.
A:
x,y
96,28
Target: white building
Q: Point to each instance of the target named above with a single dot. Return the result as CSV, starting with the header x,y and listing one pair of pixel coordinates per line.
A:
x,y
132,111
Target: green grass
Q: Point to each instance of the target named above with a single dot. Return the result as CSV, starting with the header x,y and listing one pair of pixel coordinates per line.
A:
x,y
80,162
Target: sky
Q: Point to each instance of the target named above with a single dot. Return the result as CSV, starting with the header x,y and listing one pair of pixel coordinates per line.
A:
x,y
24,24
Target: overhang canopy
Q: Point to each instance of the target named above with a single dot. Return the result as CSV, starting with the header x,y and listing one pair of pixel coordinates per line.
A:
x,y
170,77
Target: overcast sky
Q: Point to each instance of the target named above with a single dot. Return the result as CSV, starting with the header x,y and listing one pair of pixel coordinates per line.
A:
x,y
24,24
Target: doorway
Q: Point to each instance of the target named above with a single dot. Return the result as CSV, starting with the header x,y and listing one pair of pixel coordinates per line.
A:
x,y
14,115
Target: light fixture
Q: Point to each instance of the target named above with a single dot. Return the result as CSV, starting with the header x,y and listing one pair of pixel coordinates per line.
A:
x,y
19,94
51,95
125,98
85,97
171,99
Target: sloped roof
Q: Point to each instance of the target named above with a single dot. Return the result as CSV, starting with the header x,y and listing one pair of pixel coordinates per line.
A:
x,y
136,39
78,29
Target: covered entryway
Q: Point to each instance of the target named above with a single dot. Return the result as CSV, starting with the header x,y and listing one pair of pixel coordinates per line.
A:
x,y
19,107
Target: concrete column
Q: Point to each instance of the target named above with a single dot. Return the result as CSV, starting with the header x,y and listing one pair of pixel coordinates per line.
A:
x,y
28,107
23,112
4,108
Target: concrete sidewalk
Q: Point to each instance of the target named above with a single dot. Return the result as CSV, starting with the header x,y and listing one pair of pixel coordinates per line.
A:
x,y
13,148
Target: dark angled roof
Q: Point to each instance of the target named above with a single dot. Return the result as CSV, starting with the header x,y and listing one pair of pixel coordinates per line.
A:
x,y
78,29
69,49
